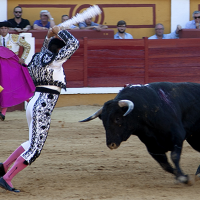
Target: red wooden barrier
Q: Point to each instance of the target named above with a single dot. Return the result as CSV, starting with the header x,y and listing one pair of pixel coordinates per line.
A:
x,y
189,33
174,60
78,33
112,63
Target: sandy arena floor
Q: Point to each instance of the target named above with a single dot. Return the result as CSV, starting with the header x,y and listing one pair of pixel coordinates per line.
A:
x,y
76,164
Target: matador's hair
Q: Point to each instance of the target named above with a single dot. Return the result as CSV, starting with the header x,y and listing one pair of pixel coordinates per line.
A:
x,y
55,44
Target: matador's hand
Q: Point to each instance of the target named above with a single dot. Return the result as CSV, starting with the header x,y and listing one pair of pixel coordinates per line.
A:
x,y
50,33
56,29
21,61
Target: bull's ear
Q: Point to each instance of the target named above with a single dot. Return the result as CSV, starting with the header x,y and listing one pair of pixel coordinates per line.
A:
x,y
100,117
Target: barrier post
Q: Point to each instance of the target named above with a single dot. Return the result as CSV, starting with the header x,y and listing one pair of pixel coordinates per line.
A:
x,y
146,60
85,63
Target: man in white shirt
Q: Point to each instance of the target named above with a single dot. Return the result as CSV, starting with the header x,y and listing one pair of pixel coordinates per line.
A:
x,y
195,23
121,34
159,33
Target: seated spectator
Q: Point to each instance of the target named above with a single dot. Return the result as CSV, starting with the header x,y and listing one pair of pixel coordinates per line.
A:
x,y
194,24
65,18
89,24
43,22
121,34
18,23
159,30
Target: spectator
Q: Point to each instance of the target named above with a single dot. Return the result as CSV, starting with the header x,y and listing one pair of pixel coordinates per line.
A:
x,y
18,23
43,22
12,42
89,24
65,18
121,34
159,29
194,24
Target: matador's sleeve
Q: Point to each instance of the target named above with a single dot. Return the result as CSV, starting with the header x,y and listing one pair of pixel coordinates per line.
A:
x,y
45,43
71,45
22,42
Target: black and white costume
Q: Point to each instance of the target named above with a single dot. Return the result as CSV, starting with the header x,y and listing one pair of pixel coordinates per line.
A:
x,y
48,76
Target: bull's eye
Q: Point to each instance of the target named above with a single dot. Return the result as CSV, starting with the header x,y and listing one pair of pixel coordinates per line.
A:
x,y
118,121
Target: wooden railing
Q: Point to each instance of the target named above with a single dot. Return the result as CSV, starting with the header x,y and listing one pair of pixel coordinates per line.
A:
x,y
112,63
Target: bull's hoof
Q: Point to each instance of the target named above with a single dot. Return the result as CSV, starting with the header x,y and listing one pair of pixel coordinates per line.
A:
x,y
186,179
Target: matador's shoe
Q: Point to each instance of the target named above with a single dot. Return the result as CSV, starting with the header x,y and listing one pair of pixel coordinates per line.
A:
x,y
2,117
5,186
2,171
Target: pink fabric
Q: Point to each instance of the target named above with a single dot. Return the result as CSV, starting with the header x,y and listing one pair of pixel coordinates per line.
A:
x,y
11,159
15,169
15,79
4,111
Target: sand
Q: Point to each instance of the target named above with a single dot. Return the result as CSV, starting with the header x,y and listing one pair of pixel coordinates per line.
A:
x,y
76,164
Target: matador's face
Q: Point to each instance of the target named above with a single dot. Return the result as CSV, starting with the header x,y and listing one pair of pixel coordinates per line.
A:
x,y
4,31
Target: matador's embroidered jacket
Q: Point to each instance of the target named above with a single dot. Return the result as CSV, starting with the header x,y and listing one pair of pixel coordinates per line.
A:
x,y
44,65
14,42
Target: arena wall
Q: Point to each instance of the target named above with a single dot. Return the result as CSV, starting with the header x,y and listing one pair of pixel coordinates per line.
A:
x,y
141,16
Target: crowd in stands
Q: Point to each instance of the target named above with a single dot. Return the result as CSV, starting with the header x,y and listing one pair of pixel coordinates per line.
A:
x,y
46,21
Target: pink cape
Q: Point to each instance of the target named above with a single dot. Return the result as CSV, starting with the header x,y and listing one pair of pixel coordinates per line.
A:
x,y
15,79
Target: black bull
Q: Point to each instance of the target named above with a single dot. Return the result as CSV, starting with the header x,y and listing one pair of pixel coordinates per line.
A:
x,y
161,114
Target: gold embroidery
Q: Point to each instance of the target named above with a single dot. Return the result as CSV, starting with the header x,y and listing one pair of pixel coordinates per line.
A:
x,y
27,47
15,41
14,37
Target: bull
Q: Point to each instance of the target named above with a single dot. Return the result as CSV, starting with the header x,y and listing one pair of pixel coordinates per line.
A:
x,y
163,115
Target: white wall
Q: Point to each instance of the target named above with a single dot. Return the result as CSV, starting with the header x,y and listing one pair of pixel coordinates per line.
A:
x,y
180,13
3,10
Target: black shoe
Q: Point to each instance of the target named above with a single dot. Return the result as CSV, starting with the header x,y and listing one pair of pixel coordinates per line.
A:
x,y
2,117
5,186
2,171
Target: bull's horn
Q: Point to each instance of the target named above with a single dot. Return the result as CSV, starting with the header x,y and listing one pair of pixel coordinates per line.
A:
x,y
123,103
95,115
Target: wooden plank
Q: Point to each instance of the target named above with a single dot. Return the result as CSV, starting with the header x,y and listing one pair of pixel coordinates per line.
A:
x,y
115,43
192,42
173,72
116,63
74,63
189,33
113,62
175,79
74,75
175,62
174,52
74,84
115,54
114,82
85,63
146,60
115,72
